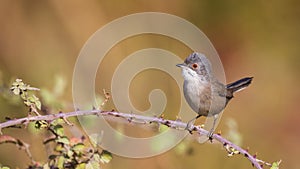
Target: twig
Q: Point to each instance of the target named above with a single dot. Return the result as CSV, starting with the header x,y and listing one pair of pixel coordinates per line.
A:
x,y
19,143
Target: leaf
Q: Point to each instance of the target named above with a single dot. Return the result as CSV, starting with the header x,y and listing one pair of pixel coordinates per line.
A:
x,y
41,124
105,156
63,140
18,87
275,165
33,100
38,104
78,148
60,162
70,153
80,166
16,91
59,148
59,130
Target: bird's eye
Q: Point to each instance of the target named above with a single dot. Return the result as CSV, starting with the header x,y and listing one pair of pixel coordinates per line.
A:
x,y
195,66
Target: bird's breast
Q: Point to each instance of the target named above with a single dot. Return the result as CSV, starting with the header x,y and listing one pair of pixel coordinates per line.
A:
x,y
192,91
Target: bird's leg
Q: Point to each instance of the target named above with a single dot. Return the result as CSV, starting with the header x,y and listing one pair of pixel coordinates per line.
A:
x,y
189,124
211,132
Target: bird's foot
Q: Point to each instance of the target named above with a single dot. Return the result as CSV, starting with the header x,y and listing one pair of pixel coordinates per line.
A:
x,y
189,128
210,135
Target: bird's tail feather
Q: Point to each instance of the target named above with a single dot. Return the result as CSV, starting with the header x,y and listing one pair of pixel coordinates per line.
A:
x,y
239,85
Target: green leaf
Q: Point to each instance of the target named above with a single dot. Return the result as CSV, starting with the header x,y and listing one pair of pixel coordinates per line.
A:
x,y
18,87
97,158
33,100
59,148
81,166
70,153
78,148
275,165
60,162
63,140
38,105
41,124
105,156
163,128
59,130
16,91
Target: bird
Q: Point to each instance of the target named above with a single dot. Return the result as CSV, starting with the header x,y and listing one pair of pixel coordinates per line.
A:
x,y
204,93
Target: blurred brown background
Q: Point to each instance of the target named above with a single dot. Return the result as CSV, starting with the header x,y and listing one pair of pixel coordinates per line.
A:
x,y
40,40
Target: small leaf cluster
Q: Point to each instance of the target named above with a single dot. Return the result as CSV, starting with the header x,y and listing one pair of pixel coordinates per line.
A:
x,y
71,152
29,99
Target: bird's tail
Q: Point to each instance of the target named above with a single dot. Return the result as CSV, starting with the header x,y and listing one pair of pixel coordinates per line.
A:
x,y
239,85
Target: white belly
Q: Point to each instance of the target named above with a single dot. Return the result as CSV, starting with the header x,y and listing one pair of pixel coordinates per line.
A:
x,y
192,91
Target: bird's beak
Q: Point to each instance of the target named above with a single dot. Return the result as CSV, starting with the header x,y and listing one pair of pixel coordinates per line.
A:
x,y
181,65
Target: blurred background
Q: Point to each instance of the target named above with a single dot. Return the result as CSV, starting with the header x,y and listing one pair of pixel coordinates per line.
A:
x,y
40,41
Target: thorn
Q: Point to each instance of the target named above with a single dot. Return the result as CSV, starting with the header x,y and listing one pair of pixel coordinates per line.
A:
x,y
219,133
7,118
161,116
178,118
130,119
255,155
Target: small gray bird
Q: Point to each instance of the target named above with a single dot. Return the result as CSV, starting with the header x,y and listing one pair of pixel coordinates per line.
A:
x,y
203,92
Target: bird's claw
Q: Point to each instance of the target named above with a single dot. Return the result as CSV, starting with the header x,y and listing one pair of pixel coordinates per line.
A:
x,y
188,128
210,135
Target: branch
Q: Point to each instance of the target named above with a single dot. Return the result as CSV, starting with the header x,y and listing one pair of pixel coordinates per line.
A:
x,y
229,146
